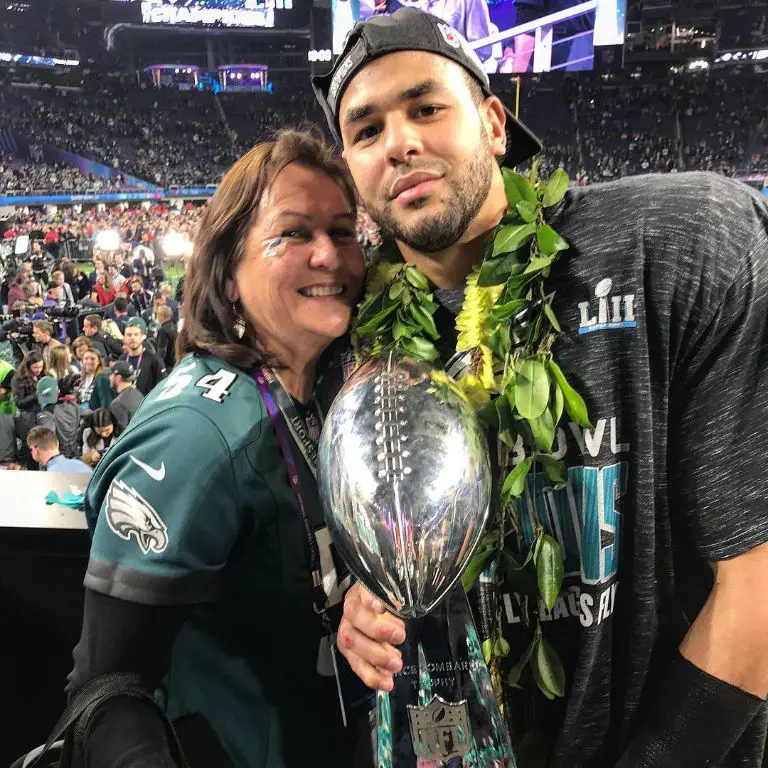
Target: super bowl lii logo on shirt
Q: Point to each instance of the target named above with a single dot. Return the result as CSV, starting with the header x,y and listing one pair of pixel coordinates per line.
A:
x,y
613,311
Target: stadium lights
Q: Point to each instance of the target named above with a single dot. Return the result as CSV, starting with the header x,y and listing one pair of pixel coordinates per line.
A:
x,y
324,54
108,240
697,64
175,244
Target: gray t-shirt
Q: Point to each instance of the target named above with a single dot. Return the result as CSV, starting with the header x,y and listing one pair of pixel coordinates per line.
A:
x,y
663,299
125,405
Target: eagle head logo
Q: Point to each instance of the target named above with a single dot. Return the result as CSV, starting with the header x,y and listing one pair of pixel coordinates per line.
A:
x,y
130,514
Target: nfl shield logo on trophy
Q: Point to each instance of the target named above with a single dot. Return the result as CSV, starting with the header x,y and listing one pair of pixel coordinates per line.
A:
x,y
440,729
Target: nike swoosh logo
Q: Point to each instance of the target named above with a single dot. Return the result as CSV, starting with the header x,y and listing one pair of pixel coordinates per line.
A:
x,y
155,474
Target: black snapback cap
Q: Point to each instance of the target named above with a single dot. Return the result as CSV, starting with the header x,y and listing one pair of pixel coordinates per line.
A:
x,y
410,30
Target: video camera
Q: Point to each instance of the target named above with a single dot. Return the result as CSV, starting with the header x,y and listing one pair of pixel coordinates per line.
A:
x,y
16,327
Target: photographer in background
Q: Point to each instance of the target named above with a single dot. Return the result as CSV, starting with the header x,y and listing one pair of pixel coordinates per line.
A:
x,y
108,347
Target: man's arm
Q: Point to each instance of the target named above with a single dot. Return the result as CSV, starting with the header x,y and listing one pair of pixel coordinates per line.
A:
x,y
729,639
719,683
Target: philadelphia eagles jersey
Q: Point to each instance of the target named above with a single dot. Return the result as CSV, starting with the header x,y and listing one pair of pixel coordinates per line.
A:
x,y
192,506
663,299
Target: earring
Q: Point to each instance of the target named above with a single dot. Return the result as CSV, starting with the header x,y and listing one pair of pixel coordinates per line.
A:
x,y
239,326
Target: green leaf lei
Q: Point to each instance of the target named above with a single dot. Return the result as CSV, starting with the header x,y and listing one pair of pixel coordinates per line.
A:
x,y
508,328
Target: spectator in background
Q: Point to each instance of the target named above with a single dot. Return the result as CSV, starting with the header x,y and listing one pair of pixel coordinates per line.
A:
x,y
120,312
140,298
98,268
99,436
166,337
7,403
150,316
166,291
105,291
148,367
180,286
122,267
24,384
54,296
62,416
81,285
42,332
121,378
66,289
78,346
44,445
16,290
8,449
115,277
108,347
61,368
94,391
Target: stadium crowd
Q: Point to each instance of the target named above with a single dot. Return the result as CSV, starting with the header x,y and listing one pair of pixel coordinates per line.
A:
x,y
595,129
88,343
19,177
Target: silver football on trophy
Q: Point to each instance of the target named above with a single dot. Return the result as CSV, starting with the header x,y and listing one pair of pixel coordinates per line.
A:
x,y
405,481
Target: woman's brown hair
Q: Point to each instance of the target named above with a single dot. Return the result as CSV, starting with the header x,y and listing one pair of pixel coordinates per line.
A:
x,y
23,372
209,317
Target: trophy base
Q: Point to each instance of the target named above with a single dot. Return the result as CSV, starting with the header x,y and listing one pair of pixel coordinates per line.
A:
x,y
442,711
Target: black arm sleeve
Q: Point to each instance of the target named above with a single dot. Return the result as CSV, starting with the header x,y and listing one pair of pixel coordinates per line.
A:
x,y
696,719
116,634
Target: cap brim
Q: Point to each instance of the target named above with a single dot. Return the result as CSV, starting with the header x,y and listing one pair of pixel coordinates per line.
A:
x,y
523,143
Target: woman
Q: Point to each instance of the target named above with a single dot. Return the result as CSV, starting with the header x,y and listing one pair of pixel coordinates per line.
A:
x,y
105,291
79,345
24,387
94,391
215,576
99,436
16,291
61,368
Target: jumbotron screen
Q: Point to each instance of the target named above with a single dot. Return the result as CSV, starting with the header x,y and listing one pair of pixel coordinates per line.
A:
x,y
216,13
510,36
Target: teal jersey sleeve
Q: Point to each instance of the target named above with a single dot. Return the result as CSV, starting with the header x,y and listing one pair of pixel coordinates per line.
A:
x,y
169,498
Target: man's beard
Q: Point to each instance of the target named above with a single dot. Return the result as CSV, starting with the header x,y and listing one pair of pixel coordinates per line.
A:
x,y
468,191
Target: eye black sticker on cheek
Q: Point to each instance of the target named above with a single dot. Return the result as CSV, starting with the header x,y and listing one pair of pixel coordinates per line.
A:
x,y
273,248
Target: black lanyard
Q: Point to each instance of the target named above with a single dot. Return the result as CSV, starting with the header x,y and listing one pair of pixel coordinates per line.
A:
x,y
283,413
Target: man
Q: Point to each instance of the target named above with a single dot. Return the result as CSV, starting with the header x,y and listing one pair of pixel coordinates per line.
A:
x,y
149,368
166,337
123,268
121,379
150,315
666,667
140,298
120,312
62,417
98,268
42,332
109,348
66,289
54,296
166,291
44,445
